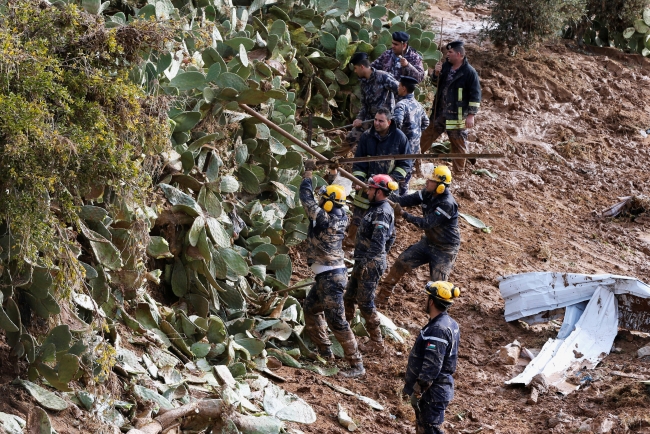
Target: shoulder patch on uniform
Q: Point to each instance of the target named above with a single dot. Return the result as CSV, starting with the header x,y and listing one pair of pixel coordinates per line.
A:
x,y
431,346
440,211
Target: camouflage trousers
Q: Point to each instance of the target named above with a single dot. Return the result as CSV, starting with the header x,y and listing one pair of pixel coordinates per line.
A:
x,y
361,291
429,415
457,138
324,307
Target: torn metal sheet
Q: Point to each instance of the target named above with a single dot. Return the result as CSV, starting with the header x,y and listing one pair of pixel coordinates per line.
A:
x,y
596,306
529,294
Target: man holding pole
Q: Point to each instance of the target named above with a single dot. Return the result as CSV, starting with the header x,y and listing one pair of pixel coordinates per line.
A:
x,y
378,90
457,102
401,60
324,303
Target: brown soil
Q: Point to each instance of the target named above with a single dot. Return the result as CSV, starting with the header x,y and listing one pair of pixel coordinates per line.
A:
x,y
569,123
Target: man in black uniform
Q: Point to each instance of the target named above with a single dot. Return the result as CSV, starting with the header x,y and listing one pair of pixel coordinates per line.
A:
x,y
458,99
382,139
433,359
324,303
374,239
441,240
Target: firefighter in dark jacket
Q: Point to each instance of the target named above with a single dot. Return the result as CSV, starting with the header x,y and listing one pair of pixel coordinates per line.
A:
x,y
382,139
457,101
433,359
324,303
441,240
375,237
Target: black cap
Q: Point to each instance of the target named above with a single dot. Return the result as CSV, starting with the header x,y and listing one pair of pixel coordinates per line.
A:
x,y
455,44
358,58
405,79
401,36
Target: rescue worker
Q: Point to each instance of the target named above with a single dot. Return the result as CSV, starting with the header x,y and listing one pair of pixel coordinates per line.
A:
x,y
378,90
382,139
433,359
374,240
457,102
440,243
401,60
409,117
324,304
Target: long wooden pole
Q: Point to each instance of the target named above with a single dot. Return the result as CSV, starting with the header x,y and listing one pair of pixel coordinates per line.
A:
x,y
299,142
435,101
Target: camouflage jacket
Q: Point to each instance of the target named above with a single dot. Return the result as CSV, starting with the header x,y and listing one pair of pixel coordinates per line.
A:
x,y
433,359
410,117
458,98
372,144
389,62
377,92
440,217
376,233
326,230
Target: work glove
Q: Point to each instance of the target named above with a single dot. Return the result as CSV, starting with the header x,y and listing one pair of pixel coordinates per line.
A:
x,y
420,387
405,394
310,165
334,163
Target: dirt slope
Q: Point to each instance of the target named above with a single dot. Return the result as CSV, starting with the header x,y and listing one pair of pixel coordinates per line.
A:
x,y
569,122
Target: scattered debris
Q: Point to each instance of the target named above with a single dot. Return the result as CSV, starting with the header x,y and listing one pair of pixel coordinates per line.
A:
x,y
643,352
473,221
12,424
509,354
628,206
371,402
345,419
485,172
588,332
287,406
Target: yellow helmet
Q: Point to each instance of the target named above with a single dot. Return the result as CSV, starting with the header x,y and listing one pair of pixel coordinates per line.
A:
x,y
334,195
441,175
443,292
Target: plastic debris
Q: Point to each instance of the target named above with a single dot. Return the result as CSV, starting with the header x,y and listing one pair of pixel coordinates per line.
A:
x,y
345,420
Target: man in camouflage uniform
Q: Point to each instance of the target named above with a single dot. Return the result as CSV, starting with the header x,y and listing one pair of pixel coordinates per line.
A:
x,y
458,99
441,240
410,117
400,60
378,90
324,303
375,237
382,139
433,359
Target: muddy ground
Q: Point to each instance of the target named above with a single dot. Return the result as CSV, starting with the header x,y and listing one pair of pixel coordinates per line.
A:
x,y
569,121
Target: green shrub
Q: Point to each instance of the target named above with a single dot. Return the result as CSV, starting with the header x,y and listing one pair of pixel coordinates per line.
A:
x,y
523,23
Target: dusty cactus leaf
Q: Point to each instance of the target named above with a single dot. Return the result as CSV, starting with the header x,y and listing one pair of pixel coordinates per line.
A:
x,y
217,332
180,200
234,261
195,230
249,180
68,367
105,252
200,349
152,396
179,279
230,80
186,121
252,345
252,97
92,213
218,233
45,398
229,184
158,248
60,336
39,421
188,81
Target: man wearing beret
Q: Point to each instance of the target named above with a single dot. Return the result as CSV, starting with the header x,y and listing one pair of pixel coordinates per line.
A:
x,y
410,117
401,59
458,99
378,90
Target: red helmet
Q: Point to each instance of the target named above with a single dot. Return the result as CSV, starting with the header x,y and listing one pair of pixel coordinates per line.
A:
x,y
383,182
